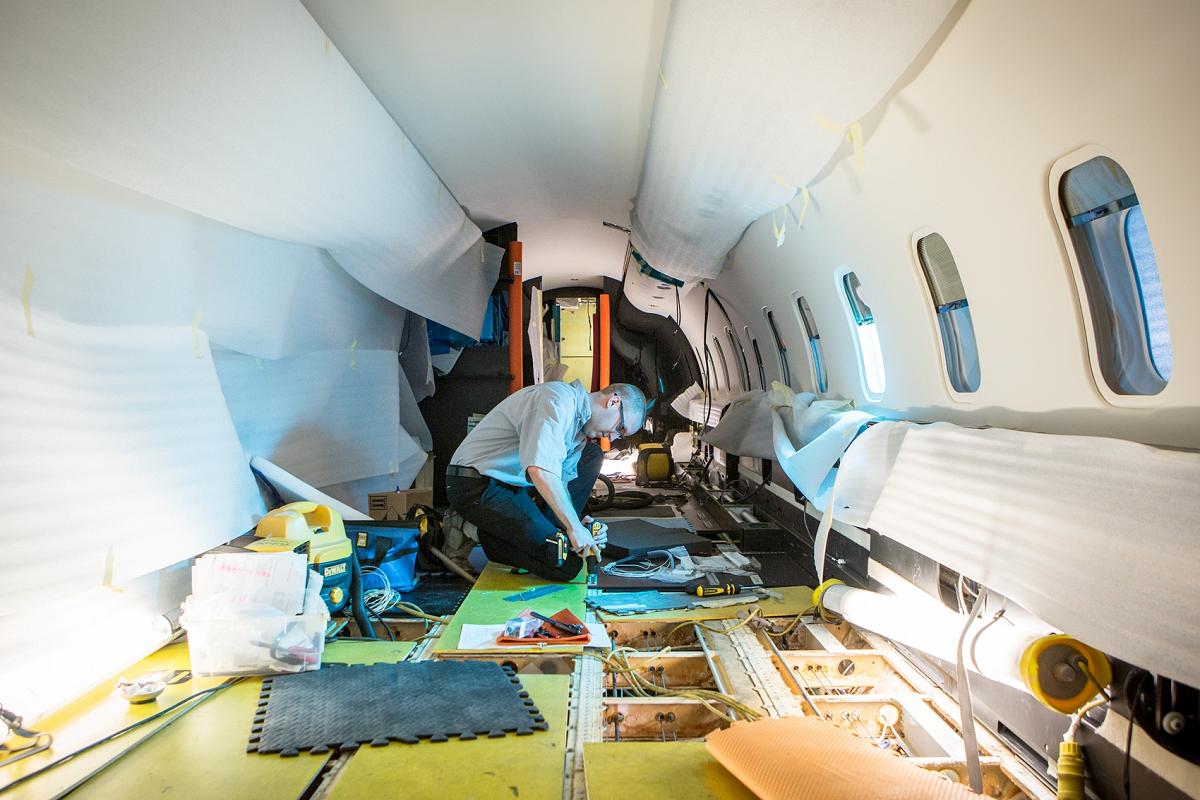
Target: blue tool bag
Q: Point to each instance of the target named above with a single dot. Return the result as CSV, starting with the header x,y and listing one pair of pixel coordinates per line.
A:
x,y
390,547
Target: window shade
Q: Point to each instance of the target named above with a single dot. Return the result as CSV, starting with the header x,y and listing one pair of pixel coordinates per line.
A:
x,y
1094,185
941,272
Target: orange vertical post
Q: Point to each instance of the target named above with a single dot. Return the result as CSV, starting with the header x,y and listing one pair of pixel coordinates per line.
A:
x,y
603,354
516,318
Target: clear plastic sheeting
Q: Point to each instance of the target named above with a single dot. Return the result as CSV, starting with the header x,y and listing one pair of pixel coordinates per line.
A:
x,y
753,101
161,266
117,455
1087,533
327,417
244,113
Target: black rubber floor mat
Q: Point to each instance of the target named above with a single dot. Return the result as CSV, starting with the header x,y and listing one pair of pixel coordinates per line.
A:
x,y
657,511
634,536
343,707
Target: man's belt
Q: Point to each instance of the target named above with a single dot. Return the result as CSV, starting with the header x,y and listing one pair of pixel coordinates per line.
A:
x,y
455,471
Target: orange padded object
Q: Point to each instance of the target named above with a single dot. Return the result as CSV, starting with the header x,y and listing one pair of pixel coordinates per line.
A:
x,y
550,634
806,758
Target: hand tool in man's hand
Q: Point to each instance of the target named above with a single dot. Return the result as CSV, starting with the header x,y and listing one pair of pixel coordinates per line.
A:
x,y
565,627
559,544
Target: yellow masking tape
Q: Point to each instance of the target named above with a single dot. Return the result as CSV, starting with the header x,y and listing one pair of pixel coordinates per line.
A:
x,y
393,468
780,231
828,124
856,142
109,558
804,208
782,182
354,354
197,318
663,80
26,295
328,47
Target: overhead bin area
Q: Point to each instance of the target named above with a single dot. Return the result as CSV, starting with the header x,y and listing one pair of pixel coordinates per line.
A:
x,y
874,317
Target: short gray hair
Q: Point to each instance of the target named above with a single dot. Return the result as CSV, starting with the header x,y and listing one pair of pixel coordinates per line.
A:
x,y
634,403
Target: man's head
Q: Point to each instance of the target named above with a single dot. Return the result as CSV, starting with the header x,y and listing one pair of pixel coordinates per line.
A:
x,y
618,410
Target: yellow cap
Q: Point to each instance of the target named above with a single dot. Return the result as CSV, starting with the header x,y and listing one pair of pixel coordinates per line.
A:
x,y
816,599
1063,672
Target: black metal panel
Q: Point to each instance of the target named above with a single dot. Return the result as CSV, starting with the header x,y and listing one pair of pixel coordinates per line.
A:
x,y
477,383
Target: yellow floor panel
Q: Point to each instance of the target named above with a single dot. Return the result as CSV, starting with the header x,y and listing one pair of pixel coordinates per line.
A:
x,y
201,755
654,770
795,600
485,605
524,767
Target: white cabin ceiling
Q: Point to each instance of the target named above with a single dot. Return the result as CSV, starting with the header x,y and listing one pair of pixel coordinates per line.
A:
x,y
541,112
534,112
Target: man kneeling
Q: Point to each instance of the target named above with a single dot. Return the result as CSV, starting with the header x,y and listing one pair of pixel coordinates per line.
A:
x,y
539,437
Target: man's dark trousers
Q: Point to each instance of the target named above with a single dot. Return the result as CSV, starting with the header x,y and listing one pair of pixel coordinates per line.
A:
x,y
513,529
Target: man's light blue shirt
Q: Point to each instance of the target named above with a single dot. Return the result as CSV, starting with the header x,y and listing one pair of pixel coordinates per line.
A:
x,y
538,426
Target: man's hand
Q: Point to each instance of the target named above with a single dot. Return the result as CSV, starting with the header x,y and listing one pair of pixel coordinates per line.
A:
x,y
600,534
581,540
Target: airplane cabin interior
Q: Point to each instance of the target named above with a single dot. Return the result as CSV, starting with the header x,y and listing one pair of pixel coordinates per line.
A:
x,y
777,399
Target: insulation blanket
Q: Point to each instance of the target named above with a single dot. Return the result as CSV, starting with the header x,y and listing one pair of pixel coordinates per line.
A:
x,y
1095,536
244,113
735,136
117,455
327,417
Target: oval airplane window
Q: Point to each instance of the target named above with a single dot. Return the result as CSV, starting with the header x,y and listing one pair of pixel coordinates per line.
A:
x,y
1116,277
785,370
960,353
816,356
866,335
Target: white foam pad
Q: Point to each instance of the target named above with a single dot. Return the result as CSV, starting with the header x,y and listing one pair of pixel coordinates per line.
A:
x,y
1095,536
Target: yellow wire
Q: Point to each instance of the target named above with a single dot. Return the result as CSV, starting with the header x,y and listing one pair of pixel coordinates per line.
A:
x,y
618,662
754,612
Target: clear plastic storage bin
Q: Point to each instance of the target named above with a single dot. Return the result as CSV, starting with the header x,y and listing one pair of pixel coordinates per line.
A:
x,y
257,640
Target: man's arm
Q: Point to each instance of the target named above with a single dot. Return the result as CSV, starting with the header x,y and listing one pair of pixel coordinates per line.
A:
x,y
550,486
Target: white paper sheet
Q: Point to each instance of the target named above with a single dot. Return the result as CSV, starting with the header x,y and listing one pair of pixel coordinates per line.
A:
x,y
737,125
161,265
1095,536
117,455
326,417
246,114
483,637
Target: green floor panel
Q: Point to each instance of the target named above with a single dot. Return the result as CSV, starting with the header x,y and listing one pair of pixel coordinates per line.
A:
x,y
485,604
367,652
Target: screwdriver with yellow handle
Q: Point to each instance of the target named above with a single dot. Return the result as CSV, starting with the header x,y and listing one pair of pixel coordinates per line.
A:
x,y
702,588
